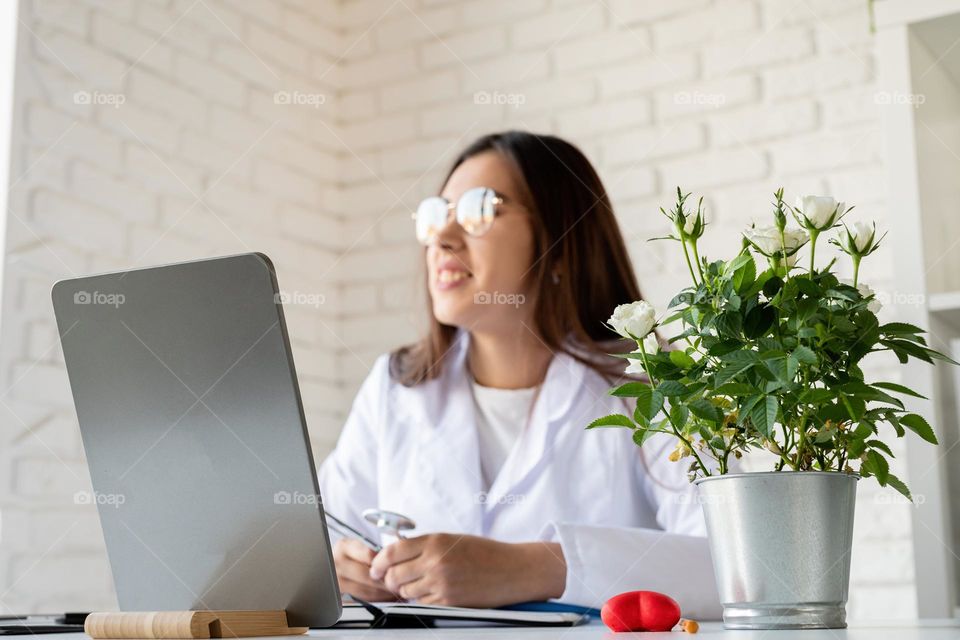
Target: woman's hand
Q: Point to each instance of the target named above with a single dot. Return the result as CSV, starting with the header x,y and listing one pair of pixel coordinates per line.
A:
x,y
353,559
469,571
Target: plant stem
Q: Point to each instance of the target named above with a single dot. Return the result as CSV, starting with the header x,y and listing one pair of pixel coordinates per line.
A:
x,y
686,254
856,270
696,256
676,432
813,248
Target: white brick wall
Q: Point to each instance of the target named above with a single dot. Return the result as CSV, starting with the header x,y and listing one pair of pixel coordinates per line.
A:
x,y
730,99
197,160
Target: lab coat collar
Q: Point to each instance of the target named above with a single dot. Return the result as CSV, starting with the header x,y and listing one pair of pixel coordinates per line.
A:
x,y
454,436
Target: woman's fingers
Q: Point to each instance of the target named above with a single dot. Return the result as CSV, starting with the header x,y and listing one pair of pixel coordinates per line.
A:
x,y
366,591
400,551
352,560
400,574
355,550
415,590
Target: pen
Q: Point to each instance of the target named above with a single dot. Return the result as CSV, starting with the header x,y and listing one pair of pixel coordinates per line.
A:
x,y
347,531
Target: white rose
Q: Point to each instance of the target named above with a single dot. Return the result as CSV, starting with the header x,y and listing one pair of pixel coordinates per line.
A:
x,y
634,320
861,234
866,291
768,241
794,239
818,210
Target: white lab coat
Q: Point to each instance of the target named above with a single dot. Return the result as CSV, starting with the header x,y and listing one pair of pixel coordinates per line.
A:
x,y
625,520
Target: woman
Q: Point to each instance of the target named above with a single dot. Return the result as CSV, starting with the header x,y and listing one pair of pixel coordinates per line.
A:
x,y
477,431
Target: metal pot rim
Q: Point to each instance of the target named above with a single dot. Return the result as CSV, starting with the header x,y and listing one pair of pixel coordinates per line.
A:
x,y
855,476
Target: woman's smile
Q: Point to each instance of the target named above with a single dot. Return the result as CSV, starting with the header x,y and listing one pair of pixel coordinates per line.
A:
x,y
451,274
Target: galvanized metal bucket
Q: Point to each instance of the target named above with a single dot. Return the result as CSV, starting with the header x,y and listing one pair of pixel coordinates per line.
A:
x,y
781,547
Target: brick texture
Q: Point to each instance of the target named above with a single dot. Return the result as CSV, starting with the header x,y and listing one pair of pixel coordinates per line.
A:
x,y
161,130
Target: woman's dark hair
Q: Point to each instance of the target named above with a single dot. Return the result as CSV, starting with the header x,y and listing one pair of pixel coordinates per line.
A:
x,y
575,235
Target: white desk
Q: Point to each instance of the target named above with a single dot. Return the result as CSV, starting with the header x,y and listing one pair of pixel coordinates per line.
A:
x,y
945,630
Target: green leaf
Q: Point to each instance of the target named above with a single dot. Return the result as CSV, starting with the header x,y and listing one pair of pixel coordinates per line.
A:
x,y
730,372
705,410
641,435
899,485
729,324
878,466
679,415
735,389
682,360
764,415
904,348
772,286
895,423
745,276
672,388
900,327
805,355
857,389
747,406
631,390
863,430
724,347
736,263
919,426
807,286
613,420
816,396
899,388
638,416
856,448
650,405
758,321
881,445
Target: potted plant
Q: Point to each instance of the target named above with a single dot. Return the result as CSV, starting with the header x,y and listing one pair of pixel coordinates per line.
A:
x,y
767,354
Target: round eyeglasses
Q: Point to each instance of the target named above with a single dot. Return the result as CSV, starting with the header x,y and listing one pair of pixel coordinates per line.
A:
x,y
474,211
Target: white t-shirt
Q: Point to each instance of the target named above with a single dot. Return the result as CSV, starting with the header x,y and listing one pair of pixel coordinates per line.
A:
x,y
501,416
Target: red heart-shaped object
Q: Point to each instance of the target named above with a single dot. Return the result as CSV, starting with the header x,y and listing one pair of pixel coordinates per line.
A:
x,y
640,611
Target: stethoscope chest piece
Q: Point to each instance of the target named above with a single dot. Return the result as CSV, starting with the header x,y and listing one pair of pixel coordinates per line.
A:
x,y
388,522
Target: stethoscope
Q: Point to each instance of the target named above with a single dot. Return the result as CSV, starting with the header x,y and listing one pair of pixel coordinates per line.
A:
x,y
388,523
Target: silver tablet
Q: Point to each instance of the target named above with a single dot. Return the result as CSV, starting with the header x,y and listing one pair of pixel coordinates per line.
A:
x,y
196,441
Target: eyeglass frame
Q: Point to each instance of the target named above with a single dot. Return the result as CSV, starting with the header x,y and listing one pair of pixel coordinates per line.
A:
x,y
497,200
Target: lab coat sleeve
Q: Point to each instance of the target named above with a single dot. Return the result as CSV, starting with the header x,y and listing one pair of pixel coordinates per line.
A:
x,y
673,559
348,476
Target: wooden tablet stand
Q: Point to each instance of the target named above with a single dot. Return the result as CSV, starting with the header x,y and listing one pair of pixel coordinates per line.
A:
x,y
156,625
